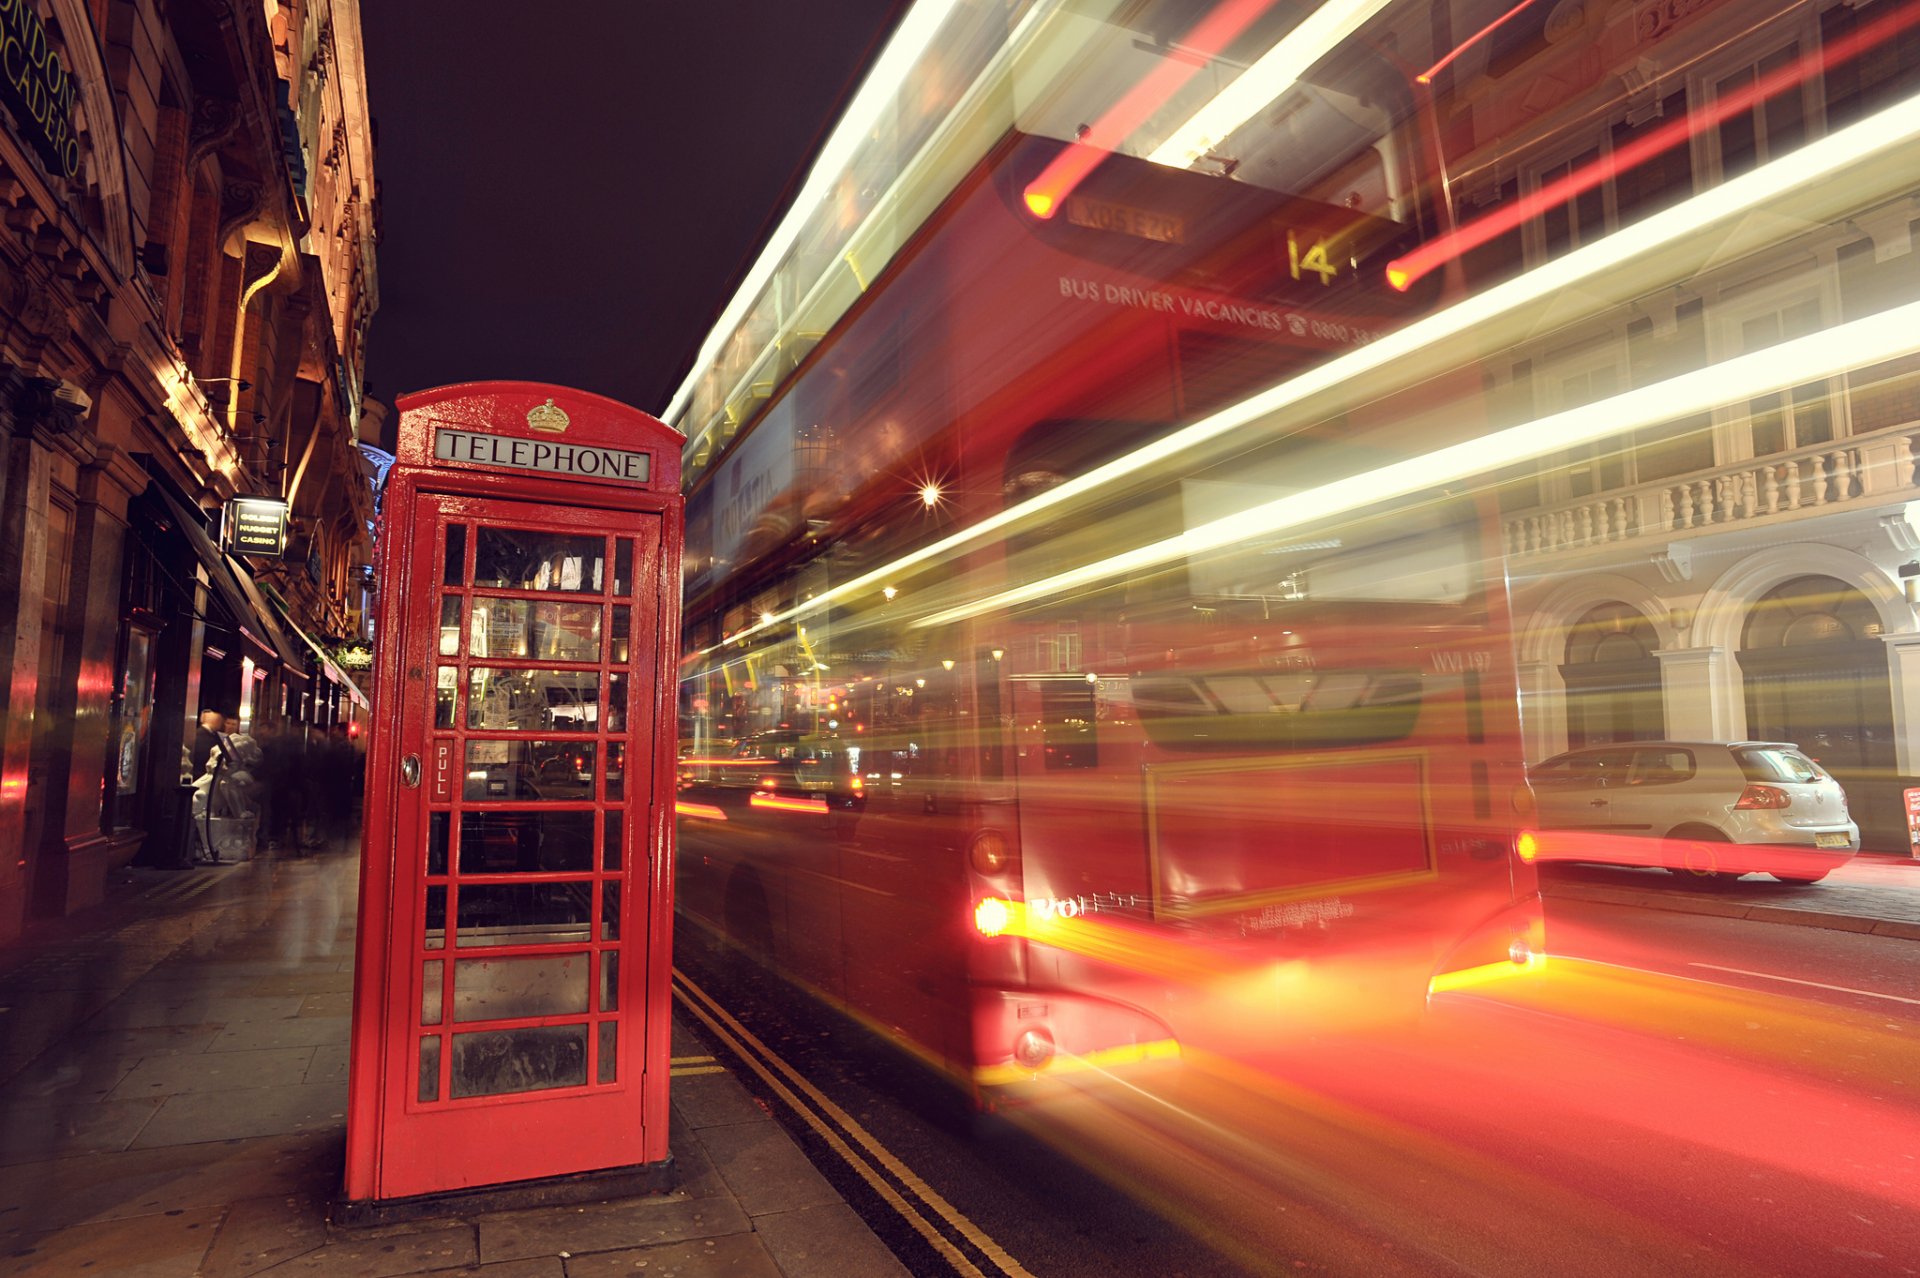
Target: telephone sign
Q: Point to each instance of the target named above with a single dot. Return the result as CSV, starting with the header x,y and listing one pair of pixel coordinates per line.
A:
x,y
511,1011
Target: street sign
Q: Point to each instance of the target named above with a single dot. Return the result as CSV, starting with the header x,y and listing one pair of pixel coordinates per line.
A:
x,y
257,526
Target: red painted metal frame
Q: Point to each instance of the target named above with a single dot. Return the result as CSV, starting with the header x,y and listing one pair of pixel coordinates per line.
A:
x,y
399,1150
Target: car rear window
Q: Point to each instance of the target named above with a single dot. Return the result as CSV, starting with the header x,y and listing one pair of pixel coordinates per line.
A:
x,y
1774,763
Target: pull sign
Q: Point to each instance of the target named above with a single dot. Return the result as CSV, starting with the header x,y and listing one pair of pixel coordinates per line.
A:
x,y
575,461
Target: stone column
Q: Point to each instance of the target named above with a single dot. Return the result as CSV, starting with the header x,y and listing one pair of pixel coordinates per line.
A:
x,y
1700,690
85,705
1543,710
31,422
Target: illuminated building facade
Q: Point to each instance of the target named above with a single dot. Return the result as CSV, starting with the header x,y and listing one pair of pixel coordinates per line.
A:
x,y
1745,572
186,278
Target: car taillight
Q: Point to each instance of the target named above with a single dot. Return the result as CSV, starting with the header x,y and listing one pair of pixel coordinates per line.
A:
x,y
858,785
1527,846
1764,796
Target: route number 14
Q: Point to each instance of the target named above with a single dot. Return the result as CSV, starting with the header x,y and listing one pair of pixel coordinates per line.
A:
x,y
1314,259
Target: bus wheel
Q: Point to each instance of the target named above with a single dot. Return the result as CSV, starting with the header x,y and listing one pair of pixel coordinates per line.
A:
x,y
1801,880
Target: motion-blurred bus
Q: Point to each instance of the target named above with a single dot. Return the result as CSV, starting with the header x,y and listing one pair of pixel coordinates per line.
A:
x,y
1137,719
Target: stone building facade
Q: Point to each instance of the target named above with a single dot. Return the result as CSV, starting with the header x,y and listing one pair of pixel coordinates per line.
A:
x,y
1749,572
188,220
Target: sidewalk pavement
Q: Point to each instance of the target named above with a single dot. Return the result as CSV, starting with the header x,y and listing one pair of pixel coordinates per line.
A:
x,y
1873,893
173,1102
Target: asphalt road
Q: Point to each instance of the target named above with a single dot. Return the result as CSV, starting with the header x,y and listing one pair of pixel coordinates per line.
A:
x,y
1672,1094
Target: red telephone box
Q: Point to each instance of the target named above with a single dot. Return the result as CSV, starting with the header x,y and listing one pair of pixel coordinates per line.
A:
x,y
510,1012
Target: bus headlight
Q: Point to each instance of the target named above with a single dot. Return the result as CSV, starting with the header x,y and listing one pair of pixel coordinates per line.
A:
x,y
1033,1049
992,915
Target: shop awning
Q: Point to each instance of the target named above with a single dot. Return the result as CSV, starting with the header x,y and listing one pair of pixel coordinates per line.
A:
x,y
328,666
244,604
294,660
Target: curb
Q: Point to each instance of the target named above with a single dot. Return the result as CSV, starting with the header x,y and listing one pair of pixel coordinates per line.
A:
x,y
1720,907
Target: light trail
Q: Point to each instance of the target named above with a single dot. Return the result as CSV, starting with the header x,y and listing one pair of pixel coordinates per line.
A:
x,y
1875,339
1818,985
1403,273
1820,165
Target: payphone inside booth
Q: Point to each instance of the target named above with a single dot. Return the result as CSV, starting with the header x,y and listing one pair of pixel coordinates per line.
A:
x,y
511,1019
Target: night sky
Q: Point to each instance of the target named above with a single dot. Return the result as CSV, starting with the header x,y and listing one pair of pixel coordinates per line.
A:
x,y
570,191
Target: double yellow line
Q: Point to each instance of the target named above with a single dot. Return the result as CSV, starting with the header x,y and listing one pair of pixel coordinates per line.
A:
x,y
936,1220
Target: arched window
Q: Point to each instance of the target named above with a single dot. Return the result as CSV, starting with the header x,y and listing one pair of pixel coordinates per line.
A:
x,y
1612,678
1815,673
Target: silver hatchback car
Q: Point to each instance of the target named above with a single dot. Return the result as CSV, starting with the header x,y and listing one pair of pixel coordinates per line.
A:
x,y
1711,810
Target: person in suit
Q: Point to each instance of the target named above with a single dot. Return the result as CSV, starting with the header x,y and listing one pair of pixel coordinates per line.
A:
x,y
206,739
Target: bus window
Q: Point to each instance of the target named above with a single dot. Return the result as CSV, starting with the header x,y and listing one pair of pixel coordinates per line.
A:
x,y
1339,708
1067,712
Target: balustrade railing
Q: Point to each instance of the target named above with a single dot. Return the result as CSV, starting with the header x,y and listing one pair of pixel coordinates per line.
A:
x,y
1854,470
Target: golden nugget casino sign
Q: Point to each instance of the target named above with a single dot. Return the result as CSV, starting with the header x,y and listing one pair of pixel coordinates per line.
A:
x,y
36,88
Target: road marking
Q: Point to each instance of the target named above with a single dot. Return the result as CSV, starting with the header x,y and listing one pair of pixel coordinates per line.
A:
x,y
1818,985
732,1033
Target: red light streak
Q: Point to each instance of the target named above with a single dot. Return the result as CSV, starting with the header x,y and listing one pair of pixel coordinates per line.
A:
x,y
778,804
1045,193
705,811
1426,77
1429,257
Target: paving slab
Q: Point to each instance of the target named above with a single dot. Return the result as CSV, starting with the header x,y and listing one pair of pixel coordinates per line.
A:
x,y
634,1222
735,1256
31,1133
294,1031
215,1072
149,1182
828,1240
713,1100
165,1246
194,1117
765,1169
194,1009
259,1233
345,1256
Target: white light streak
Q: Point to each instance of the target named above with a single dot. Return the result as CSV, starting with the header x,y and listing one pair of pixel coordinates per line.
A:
x,y
909,44
1818,164
1276,71
1888,335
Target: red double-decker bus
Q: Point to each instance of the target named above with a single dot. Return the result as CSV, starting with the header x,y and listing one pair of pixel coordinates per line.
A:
x,y
1019,721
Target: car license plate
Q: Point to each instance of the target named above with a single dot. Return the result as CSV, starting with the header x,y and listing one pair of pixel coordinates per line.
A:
x,y
1831,841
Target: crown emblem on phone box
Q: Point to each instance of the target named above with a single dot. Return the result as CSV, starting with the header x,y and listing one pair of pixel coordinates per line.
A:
x,y
547,419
